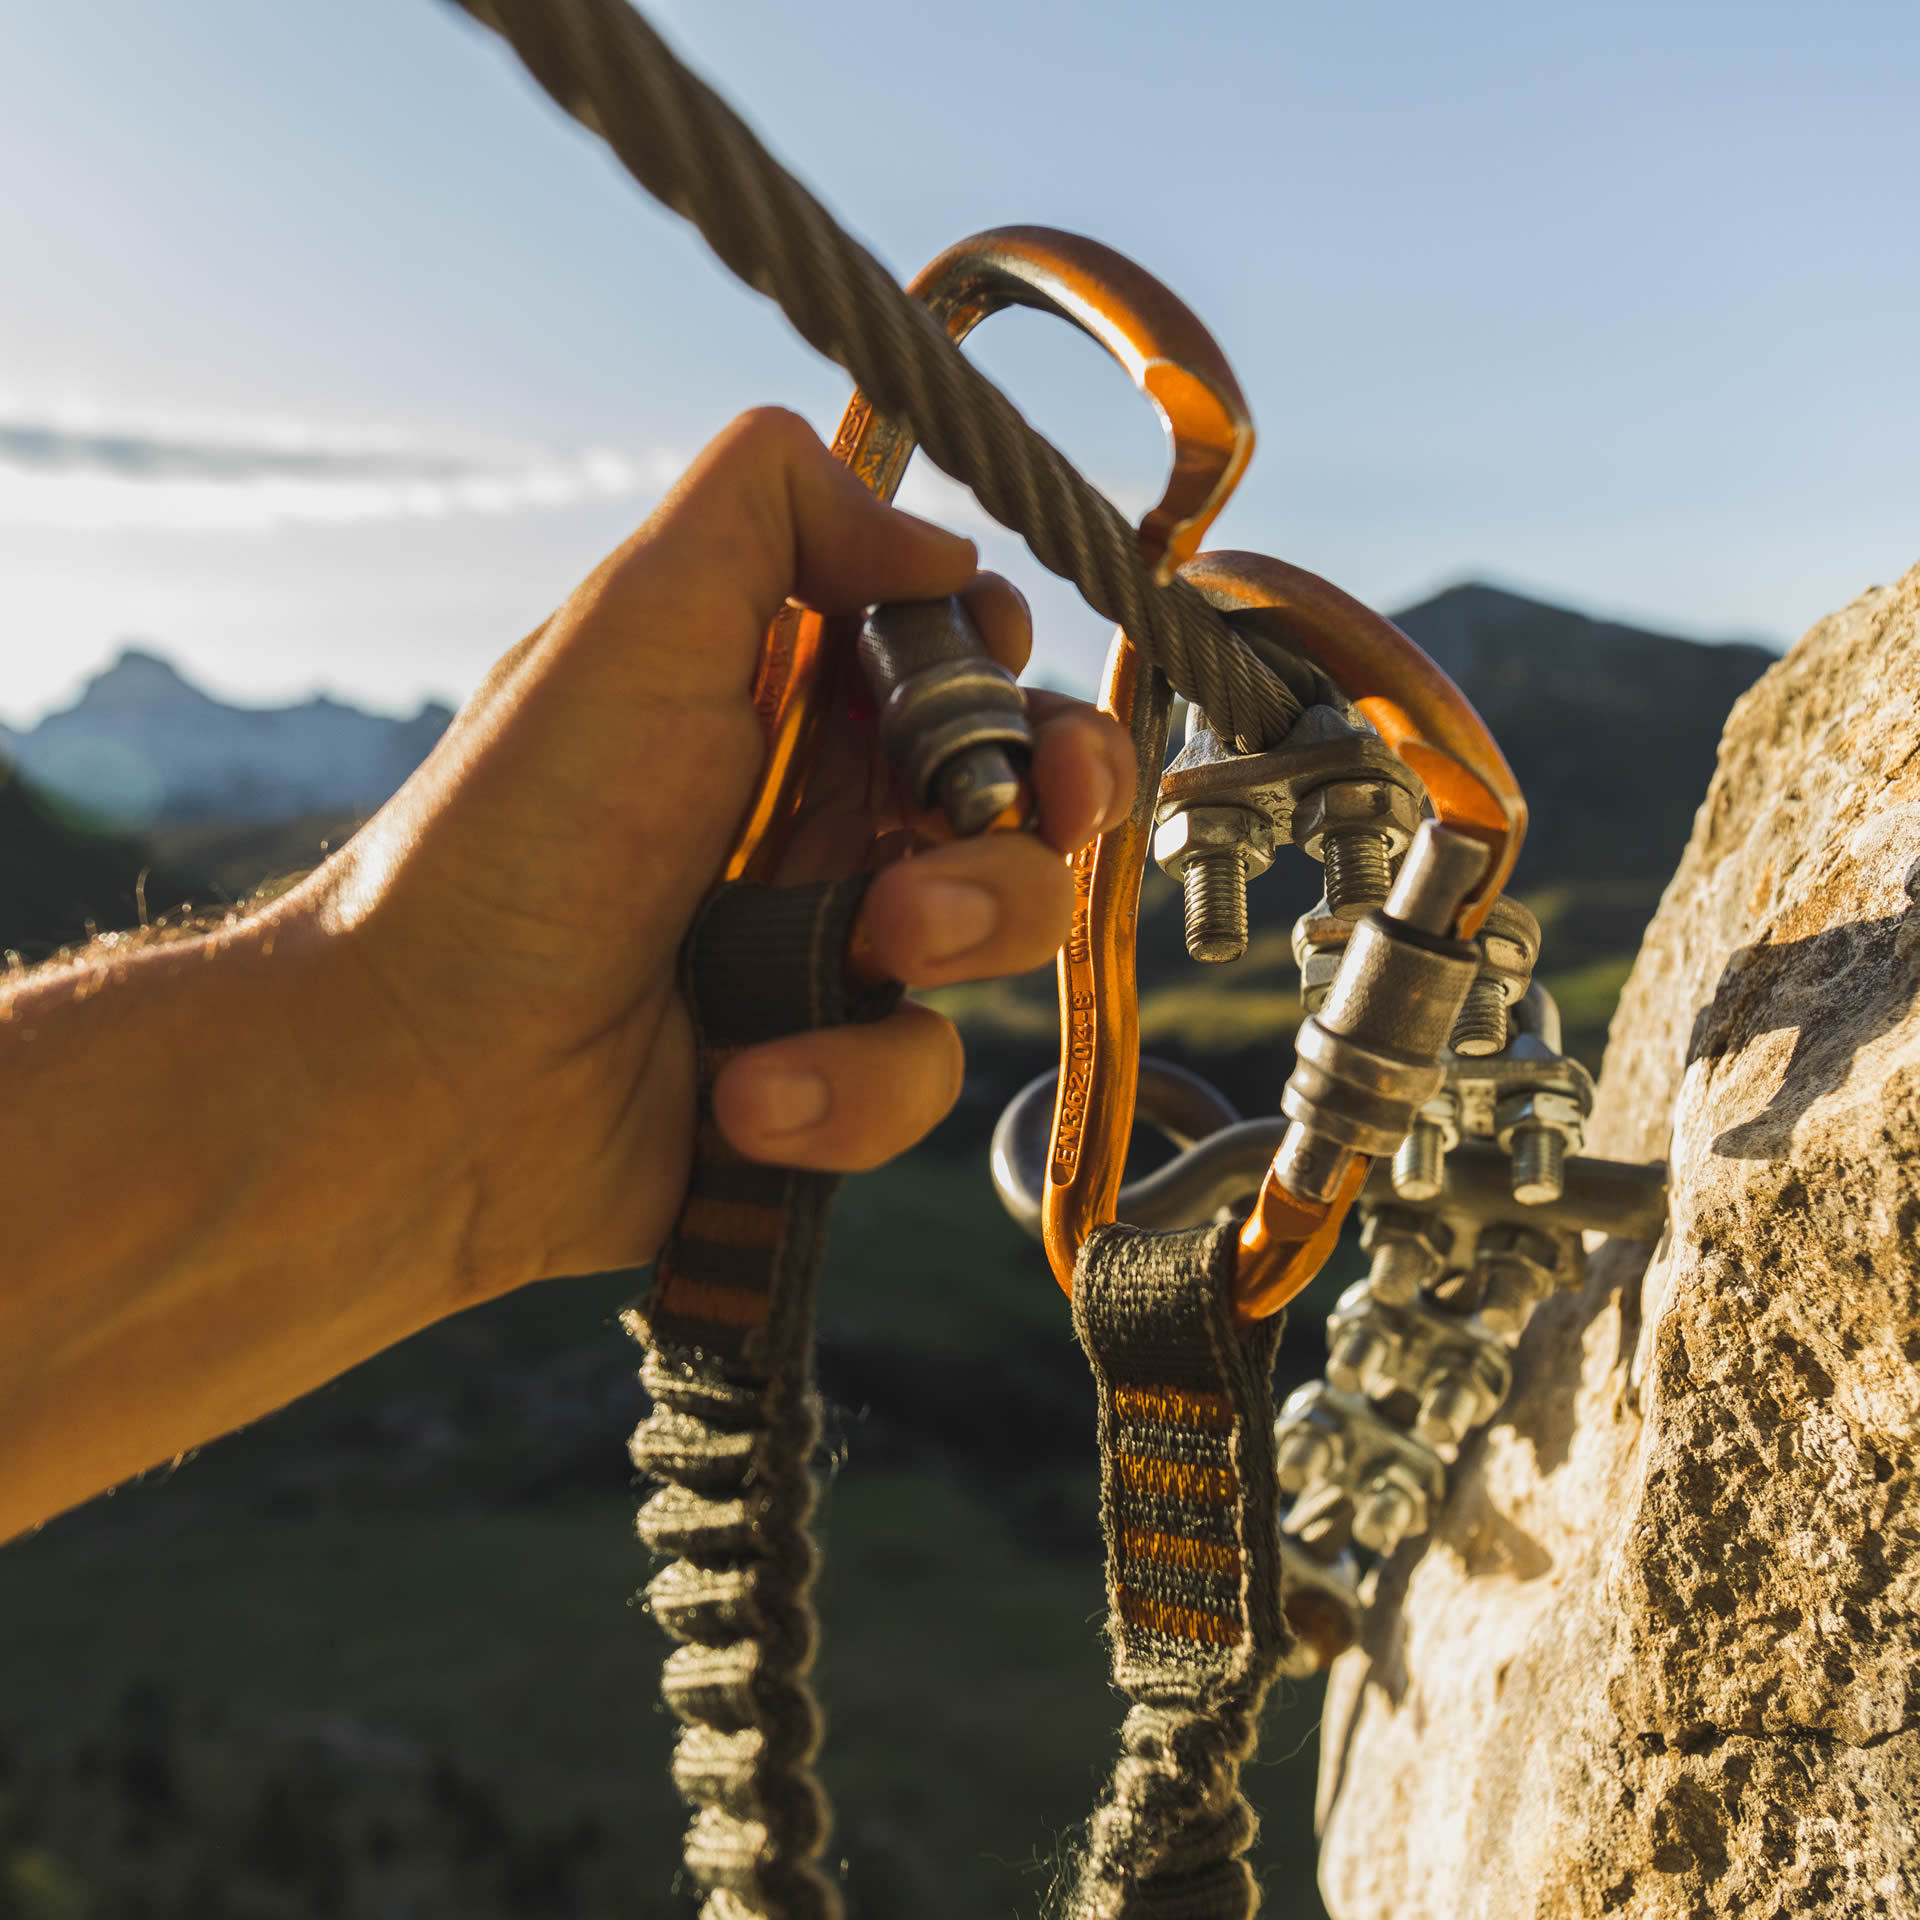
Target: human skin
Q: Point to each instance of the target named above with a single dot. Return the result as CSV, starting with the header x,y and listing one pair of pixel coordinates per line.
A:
x,y
455,1059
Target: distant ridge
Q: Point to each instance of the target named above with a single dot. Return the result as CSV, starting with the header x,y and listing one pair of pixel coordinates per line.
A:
x,y
144,747
1611,729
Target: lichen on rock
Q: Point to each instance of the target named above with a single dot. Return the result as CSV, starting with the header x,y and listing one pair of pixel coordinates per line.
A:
x,y
1658,1656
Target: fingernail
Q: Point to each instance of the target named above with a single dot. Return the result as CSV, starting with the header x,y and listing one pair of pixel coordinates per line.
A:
x,y
956,916
788,1102
946,534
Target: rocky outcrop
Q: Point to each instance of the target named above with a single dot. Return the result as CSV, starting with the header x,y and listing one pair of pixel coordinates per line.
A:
x,y
1660,1655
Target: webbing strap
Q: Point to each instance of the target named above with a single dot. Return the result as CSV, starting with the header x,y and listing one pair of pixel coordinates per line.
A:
x,y
1188,1498
729,1328
1190,1507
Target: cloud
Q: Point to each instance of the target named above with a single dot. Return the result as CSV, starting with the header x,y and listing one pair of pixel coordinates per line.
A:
x,y
82,469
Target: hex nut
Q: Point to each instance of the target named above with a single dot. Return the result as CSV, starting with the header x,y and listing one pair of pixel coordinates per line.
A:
x,y
1319,940
1319,930
1519,1266
1408,1251
1316,980
1379,1343
1557,1111
1303,1454
1509,944
1431,1235
1390,1507
1194,831
1505,956
1355,806
1513,1242
1443,1112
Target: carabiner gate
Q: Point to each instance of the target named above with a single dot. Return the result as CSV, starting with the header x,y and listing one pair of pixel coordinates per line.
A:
x,y
1365,1057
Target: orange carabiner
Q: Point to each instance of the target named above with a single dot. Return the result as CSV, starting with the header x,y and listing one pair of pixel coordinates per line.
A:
x,y
1172,359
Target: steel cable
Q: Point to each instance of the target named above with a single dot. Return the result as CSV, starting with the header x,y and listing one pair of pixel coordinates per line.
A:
x,y
603,63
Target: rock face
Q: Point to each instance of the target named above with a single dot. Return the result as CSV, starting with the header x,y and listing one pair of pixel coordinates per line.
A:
x,y
1659,1655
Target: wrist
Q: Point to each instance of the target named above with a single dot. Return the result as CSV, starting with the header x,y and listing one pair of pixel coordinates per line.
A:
x,y
375,1162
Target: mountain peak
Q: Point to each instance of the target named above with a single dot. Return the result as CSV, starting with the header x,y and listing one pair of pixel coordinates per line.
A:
x,y
1473,611
1482,597
139,678
144,746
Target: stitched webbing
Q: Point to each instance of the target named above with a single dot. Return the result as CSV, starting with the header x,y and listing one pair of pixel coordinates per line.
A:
x,y
1191,1511
729,1329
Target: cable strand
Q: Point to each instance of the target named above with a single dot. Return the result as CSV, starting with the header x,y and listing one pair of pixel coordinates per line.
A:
x,y
607,67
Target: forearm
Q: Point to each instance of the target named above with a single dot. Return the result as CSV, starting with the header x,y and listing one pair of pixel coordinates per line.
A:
x,y
455,1060
221,1189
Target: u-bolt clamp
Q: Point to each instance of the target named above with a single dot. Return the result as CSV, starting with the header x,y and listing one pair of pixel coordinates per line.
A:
x,y
1369,1059
952,735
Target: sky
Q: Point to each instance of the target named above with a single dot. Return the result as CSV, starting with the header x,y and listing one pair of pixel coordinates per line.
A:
x,y
332,354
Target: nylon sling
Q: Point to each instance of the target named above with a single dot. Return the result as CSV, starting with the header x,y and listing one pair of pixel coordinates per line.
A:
x,y
1191,1512
1189,1502
729,1368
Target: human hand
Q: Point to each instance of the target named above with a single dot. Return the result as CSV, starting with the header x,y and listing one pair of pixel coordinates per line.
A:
x,y
510,921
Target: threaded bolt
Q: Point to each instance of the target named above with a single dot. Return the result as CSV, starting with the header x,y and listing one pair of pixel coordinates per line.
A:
x,y
1481,1027
1398,1272
1420,1164
1383,1516
1447,1411
1359,872
1303,1457
1539,1165
1215,885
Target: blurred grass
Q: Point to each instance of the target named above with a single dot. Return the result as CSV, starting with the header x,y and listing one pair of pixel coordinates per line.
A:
x,y
441,1713
1587,998
923,1254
